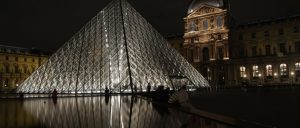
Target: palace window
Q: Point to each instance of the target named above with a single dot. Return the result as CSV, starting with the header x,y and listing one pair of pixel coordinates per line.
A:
x,y
219,22
193,26
254,51
297,69
7,68
17,69
297,66
296,29
267,34
282,47
205,24
297,47
255,71
280,31
283,70
241,37
220,53
197,53
243,71
274,51
253,35
269,70
268,50
205,53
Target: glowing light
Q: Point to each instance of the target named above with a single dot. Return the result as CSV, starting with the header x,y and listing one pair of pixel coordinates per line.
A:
x,y
275,74
292,73
245,75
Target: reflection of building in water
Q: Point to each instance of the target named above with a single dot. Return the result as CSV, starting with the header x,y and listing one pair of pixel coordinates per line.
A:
x,y
13,115
16,64
117,49
258,53
119,112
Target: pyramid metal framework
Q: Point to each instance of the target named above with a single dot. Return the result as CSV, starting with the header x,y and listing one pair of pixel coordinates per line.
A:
x,y
118,49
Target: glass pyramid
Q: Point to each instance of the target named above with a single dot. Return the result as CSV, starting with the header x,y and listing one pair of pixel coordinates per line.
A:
x,y
117,49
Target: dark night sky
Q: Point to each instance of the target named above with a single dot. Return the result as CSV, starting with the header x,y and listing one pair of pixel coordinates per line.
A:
x,y
47,24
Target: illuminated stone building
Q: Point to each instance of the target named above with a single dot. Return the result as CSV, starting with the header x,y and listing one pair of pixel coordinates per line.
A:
x,y
259,53
16,64
267,52
206,39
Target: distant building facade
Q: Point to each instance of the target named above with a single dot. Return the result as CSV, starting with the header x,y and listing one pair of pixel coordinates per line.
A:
x,y
16,64
261,53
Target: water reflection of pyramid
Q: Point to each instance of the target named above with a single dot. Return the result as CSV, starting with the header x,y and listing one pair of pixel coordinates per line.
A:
x,y
117,49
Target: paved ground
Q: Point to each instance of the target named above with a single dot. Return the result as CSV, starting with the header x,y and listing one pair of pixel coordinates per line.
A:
x,y
276,106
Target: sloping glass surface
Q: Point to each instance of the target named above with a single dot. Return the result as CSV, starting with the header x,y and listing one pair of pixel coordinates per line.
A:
x,y
117,49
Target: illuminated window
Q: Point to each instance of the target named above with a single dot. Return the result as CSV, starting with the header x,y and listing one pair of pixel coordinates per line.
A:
x,y
283,70
243,71
219,22
269,70
205,24
297,66
255,71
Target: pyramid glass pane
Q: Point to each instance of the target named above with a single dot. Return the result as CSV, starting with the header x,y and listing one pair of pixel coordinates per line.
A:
x,y
118,49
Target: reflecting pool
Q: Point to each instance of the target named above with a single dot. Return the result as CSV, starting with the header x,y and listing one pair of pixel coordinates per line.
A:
x,y
96,112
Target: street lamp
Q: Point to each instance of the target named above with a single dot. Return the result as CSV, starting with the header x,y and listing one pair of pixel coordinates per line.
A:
x,y
259,75
292,78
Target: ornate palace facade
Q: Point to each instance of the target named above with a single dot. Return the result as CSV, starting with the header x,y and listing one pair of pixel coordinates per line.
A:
x,y
16,64
260,53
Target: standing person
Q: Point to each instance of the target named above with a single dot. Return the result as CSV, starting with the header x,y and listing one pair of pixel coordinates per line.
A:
x,y
148,88
180,97
106,91
166,95
54,93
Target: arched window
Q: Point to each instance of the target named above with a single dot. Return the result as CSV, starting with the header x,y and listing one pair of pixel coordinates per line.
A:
x,y
269,70
255,71
243,72
283,70
205,53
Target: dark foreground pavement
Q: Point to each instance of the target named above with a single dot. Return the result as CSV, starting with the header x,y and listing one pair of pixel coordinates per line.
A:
x,y
274,106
